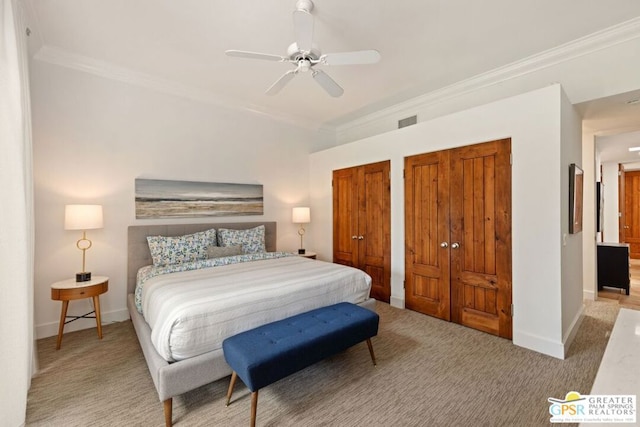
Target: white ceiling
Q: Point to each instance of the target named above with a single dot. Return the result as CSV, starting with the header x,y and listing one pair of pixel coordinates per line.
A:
x,y
425,44
616,122
615,148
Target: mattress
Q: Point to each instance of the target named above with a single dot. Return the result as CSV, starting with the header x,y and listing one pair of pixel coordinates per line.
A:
x,y
192,312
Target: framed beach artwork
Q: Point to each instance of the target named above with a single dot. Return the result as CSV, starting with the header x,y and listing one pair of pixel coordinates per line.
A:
x,y
576,184
157,198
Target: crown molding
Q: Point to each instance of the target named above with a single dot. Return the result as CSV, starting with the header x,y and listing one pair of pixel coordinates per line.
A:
x,y
591,43
64,58
603,39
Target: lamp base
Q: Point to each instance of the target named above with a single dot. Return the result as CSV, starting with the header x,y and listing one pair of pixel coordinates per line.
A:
x,y
301,251
85,276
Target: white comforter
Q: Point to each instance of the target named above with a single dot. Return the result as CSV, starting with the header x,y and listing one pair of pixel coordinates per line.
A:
x,y
192,312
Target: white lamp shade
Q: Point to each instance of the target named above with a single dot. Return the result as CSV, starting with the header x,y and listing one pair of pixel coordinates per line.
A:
x,y
301,215
82,217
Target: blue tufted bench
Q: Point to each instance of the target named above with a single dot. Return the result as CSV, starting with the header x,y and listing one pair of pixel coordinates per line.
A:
x,y
271,352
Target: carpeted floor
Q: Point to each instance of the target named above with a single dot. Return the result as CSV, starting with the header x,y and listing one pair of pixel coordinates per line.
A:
x,y
429,373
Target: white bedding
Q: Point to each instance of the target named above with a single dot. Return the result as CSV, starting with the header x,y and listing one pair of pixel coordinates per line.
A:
x,y
192,312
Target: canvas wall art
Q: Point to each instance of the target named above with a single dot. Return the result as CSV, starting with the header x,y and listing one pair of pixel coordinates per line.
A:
x,y
157,198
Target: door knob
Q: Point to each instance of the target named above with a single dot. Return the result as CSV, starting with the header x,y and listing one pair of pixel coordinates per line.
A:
x,y
354,237
455,245
360,237
444,245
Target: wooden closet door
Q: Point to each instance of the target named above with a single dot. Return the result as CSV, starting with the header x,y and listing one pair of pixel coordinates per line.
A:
x,y
345,217
481,237
621,206
362,223
374,227
427,282
631,212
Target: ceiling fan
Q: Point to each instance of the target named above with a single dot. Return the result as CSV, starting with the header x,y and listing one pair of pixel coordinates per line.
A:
x,y
306,56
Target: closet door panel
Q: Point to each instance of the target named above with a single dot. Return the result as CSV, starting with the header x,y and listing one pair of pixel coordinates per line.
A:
x,y
631,212
427,235
374,225
480,225
345,225
362,223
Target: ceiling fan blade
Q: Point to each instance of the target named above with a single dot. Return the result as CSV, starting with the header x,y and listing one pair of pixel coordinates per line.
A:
x,y
281,82
351,58
303,27
255,55
327,83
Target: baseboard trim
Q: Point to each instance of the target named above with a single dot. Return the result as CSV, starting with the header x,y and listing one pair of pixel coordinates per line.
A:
x,y
573,330
539,344
397,302
589,295
51,329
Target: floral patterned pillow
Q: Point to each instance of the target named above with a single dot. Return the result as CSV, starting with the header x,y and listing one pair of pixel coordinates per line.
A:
x,y
180,249
251,240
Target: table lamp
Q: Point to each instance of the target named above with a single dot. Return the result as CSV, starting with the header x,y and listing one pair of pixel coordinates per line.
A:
x,y
301,215
83,217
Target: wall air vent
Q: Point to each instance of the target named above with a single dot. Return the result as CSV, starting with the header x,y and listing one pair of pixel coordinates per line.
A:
x,y
407,122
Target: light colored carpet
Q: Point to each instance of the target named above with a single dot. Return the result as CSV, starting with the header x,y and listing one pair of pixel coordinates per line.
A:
x,y
429,373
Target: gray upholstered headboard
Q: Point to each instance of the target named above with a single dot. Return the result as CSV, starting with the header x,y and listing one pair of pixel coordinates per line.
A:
x,y
138,250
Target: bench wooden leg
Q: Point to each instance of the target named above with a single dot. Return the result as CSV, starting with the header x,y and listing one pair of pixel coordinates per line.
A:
x,y
373,356
168,412
232,383
254,407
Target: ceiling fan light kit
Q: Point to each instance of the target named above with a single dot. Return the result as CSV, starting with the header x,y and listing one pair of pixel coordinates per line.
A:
x,y
304,55
304,5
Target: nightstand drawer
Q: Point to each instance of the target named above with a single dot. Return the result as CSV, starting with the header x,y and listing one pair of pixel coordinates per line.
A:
x,y
79,292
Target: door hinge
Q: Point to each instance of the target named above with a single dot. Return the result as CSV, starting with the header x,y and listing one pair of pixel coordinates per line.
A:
x,y
512,310
511,158
619,214
619,173
404,284
404,174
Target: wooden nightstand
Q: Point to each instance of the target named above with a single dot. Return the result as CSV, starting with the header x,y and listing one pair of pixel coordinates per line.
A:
x,y
308,254
67,290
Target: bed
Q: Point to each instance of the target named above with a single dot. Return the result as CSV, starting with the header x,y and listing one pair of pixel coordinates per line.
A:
x,y
173,378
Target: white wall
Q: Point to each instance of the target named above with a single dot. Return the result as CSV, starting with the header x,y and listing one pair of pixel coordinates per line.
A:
x,y
632,166
572,253
533,121
93,137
